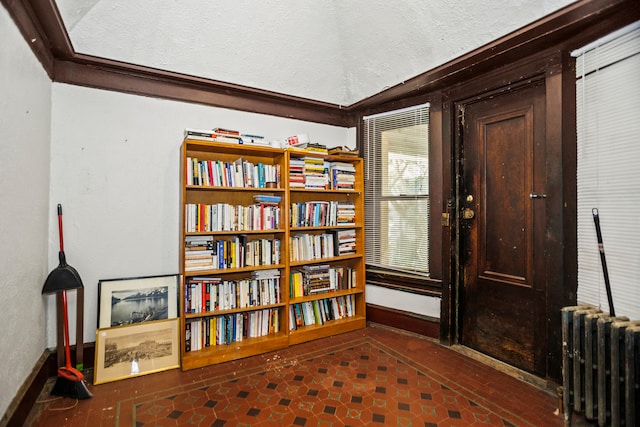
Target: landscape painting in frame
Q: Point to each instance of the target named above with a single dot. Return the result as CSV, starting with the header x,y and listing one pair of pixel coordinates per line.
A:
x,y
135,350
136,300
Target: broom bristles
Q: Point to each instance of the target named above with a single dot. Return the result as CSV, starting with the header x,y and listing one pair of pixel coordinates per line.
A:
x,y
70,384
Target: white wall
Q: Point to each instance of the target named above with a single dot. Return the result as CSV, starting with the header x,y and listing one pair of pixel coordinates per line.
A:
x,y
115,170
400,300
25,117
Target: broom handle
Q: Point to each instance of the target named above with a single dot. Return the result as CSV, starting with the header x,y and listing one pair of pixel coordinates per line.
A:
x,y
603,259
66,330
60,227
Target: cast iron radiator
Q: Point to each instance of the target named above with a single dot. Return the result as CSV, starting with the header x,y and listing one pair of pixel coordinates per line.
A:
x,y
600,364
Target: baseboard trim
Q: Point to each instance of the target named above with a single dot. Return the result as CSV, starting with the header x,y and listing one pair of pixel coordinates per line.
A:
x,y
45,368
20,407
404,320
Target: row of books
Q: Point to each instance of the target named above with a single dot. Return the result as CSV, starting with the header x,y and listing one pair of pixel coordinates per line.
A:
x,y
205,253
317,173
322,213
226,329
209,294
307,247
315,279
239,173
225,217
318,312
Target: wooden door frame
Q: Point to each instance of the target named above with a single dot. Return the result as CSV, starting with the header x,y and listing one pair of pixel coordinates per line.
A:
x,y
557,69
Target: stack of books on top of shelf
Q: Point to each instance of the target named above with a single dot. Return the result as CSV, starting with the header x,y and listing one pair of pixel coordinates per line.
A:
x,y
224,135
344,151
342,176
213,135
310,147
313,147
316,175
198,253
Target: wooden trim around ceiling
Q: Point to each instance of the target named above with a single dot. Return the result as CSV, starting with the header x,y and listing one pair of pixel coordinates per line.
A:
x,y
42,27
109,75
29,26
568,28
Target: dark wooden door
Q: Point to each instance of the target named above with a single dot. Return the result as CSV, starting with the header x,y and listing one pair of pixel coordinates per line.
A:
x,y
502,226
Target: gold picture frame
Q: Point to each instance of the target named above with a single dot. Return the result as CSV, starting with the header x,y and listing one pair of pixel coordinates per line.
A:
x,y
134,350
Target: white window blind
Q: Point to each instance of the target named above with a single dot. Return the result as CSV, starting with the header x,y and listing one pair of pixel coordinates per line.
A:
x,y
397,190
608,127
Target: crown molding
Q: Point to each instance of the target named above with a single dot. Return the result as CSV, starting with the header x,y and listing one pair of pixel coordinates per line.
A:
x,y
41,25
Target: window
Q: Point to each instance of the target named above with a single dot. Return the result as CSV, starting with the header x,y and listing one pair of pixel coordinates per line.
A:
x,y
608,102
396,146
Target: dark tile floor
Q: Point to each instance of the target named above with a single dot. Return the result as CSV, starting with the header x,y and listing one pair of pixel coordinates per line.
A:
x,y
375,376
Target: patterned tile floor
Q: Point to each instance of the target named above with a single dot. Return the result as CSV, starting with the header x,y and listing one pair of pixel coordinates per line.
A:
x,y
375,376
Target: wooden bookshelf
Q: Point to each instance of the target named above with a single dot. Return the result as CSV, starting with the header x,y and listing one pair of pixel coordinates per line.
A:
x,y
221,216
354,260
220,263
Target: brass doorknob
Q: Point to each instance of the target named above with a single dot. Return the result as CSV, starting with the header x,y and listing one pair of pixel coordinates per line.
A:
x,y
468,213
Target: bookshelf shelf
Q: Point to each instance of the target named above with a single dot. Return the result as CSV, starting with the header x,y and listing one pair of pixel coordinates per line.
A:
x,y
325,295
234,189
232,311
245,179
218,271
325,260
236,350
325,227
323,191
234,232
333,327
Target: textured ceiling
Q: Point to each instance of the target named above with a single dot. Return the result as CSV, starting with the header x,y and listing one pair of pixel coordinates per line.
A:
x,y
333,51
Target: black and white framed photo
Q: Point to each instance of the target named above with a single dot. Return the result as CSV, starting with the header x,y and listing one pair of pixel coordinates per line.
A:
x,y
128,301
135,350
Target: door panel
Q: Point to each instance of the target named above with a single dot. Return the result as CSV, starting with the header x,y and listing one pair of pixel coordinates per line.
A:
x,y
503,292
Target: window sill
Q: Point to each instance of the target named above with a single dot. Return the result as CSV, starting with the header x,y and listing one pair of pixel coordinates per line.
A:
x,y
405,283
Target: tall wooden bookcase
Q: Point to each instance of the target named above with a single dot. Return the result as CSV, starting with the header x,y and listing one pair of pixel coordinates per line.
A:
x,y
237,295
316,215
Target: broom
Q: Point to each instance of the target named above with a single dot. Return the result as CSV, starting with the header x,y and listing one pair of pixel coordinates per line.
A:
x,y
64,277
70,381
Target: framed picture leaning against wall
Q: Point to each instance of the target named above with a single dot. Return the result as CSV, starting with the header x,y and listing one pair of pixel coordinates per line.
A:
x,y
128,301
